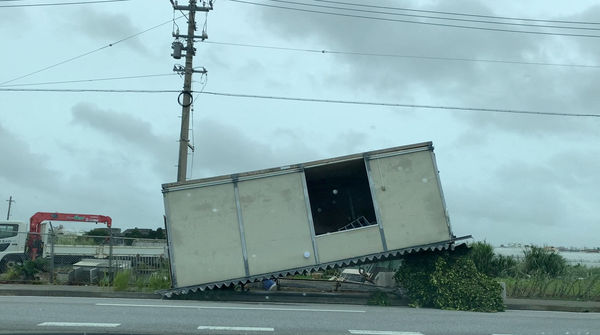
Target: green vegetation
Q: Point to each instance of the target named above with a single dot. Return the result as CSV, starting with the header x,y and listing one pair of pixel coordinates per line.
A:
x,y
25,271
541,273
11,274
379,298
543,262
482,255
567,287
121,280
157,281
99,235
126,280
448,281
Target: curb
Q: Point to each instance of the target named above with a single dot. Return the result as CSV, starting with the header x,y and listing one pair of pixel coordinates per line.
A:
x,y
78,293
289,297
553,305
351,298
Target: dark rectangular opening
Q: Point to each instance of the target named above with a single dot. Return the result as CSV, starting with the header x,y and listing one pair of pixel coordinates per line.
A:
x,y
340,197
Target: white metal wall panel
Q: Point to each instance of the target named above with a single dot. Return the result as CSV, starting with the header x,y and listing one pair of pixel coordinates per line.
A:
x,y
349,243
275,223
409,197
204,234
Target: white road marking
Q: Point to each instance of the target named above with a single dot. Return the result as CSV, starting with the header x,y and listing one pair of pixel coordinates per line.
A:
x,y
79,324
381,332
241,329
239,308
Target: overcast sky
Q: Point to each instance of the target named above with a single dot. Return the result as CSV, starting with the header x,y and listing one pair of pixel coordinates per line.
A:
x,y
506,177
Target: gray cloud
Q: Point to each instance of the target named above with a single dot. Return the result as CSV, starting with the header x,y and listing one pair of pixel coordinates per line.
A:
x,y
471,84
21,166
541,201
105,26
88,181
224,149
125,130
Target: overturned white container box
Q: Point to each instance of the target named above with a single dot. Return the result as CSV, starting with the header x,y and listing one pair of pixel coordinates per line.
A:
x,y
335,212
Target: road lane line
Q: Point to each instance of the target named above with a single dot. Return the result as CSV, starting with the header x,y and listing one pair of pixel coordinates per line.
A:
x,y
381,332
241,329
78,324
238,308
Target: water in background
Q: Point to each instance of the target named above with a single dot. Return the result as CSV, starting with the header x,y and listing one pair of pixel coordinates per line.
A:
x,y
591,259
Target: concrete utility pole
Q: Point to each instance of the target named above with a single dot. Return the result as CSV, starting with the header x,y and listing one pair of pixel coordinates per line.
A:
x,y
187,71
10,201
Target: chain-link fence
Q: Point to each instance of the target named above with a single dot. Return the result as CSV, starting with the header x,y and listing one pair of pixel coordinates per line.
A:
x,y
80,259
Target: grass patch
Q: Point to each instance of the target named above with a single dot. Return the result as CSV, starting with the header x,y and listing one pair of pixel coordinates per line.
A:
x,y
121,280
568,288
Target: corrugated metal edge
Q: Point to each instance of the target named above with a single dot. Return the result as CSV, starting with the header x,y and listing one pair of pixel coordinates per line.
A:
x,y
391,254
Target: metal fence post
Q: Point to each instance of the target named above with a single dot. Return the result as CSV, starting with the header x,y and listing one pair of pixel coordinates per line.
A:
x,y
52,242
110,256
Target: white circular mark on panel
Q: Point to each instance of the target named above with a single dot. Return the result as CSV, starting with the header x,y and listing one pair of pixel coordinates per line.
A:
x,y
335,192
425,180
253,255
188,194
306,254
215,210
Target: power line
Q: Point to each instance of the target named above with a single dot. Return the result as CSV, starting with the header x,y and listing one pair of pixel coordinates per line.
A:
x,y
416,22
432,17
92,80
62,3
386,104
88,53
84,90
458,14
333,101
356,53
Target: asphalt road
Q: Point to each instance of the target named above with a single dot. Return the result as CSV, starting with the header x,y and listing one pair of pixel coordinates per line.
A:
x,y
40,315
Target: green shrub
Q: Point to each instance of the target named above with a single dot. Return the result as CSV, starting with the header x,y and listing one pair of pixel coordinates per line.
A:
x,y
13,273
159,281
449,281
540,261
121,281
30,268
105,281
490,264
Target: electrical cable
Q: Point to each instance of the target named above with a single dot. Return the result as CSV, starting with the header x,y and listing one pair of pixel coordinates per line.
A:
x,y
332,101
91,80
431,17
62,3
457,13
416,22
84,90
87,53
370,103
355,53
